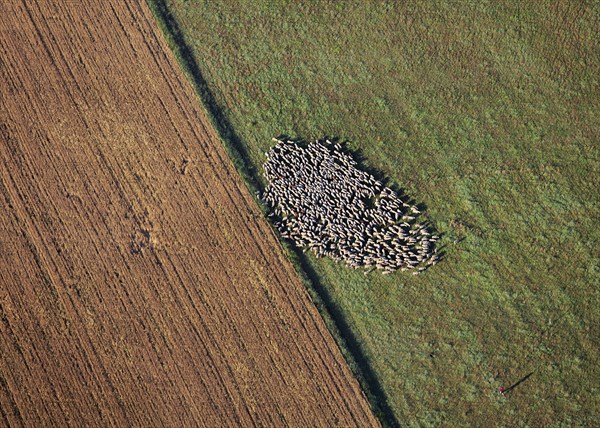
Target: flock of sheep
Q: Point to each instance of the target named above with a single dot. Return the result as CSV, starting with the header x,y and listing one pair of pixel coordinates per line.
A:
x,y
321,201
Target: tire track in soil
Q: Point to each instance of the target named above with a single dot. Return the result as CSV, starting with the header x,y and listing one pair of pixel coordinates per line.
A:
x,y
132,292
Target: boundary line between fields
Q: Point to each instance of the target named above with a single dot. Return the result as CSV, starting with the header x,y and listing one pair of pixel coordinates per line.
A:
x,y
349,345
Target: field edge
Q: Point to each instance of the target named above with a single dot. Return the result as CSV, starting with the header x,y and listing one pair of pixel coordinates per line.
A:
x,y
332,316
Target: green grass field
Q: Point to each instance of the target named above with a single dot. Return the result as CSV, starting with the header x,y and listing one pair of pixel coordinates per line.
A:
x,y
487,112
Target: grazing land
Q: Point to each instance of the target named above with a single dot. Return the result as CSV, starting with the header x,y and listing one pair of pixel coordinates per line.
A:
x,y
139,283
485,111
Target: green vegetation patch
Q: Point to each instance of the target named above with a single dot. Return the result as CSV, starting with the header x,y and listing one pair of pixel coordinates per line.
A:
x,y
487,112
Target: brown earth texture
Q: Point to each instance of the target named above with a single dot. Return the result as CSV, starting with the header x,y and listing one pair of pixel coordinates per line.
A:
x,y
139,283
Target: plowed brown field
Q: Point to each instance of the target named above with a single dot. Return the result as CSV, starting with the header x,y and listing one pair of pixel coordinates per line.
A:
x,y
139,283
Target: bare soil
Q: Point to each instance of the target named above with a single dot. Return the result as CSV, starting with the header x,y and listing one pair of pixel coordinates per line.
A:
x,y
139,283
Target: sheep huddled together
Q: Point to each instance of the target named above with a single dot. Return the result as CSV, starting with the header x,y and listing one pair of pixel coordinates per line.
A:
x,y
321,201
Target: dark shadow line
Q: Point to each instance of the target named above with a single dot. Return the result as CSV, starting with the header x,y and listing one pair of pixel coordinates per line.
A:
x,y
371,384
374,390
517,383
238,149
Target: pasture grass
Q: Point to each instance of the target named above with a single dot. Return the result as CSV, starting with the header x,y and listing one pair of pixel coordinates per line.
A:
x,y
486,112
